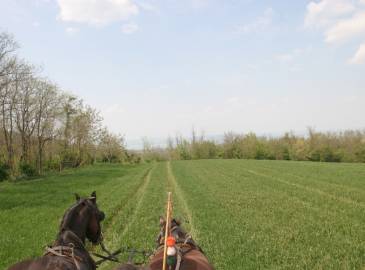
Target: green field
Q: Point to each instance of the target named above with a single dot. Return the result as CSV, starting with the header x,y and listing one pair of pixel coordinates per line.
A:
x,y
244,214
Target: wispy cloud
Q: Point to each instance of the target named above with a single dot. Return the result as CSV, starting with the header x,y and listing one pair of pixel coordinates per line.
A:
x,y
99,12
259,24
148,7
284,57
346,29
288,57
130,28
359,57
324,12
340,20
72,30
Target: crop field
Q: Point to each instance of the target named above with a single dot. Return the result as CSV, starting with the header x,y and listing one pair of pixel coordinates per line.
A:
x,y
244,214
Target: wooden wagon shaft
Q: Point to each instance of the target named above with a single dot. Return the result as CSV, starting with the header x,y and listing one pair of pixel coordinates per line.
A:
x,y
167,229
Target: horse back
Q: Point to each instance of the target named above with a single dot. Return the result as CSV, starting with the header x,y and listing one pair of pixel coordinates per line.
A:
x,y
44,263
193,260
196,259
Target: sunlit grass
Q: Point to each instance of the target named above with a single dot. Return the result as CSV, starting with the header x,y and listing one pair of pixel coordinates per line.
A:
x,y
244,214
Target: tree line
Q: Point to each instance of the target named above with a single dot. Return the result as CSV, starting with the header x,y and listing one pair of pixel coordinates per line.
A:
x,y
44,128
345,146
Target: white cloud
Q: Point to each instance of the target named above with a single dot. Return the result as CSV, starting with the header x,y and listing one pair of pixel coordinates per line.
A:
x,y
72,30
96,12
347,29
340,20
359,57
130,28
322,13
259,24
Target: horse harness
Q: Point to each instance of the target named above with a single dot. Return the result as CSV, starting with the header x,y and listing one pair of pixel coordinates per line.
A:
x,y
67,252
183,246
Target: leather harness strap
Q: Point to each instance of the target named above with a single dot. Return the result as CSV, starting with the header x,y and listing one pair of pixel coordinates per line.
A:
x,y
65,252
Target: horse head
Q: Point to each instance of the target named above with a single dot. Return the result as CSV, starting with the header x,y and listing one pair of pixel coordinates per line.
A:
x,y
176,230
84,219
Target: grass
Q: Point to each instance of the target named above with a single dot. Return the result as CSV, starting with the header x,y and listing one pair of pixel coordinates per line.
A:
x,y
30,212
245,214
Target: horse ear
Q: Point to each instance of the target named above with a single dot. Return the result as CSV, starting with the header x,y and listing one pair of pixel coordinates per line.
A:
x,y
177,221
77,196
162,220
93,197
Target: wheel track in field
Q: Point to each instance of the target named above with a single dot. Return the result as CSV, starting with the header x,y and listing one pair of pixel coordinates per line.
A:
x,y
125,202
313,190
117,208
141,194
310,206
115,238
322,181
172,183
299,186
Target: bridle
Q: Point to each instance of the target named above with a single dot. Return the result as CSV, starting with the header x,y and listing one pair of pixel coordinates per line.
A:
x,y
187,241
68,251
182,245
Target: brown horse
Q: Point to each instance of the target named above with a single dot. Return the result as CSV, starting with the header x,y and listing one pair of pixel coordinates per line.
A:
x,y
189,254
68,252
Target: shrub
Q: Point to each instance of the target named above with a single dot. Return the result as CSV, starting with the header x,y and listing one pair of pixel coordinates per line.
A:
x,y
53,164
286,153
4,172
329,155
360,155
27,170
314,156
70,160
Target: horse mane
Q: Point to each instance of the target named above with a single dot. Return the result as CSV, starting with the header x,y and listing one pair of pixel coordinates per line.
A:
x,y
70,215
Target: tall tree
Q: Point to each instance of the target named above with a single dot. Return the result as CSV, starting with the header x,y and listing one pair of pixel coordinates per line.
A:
x,y
8,87
46,115
26,108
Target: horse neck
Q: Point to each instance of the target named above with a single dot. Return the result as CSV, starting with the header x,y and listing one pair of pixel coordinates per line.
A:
x,y
67,237
73,230
183,236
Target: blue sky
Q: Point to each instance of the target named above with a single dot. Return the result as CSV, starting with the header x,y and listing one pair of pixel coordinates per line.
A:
x,y
156,68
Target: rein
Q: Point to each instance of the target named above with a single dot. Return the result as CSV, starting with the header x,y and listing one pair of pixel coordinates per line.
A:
x,y
132,252
67,251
